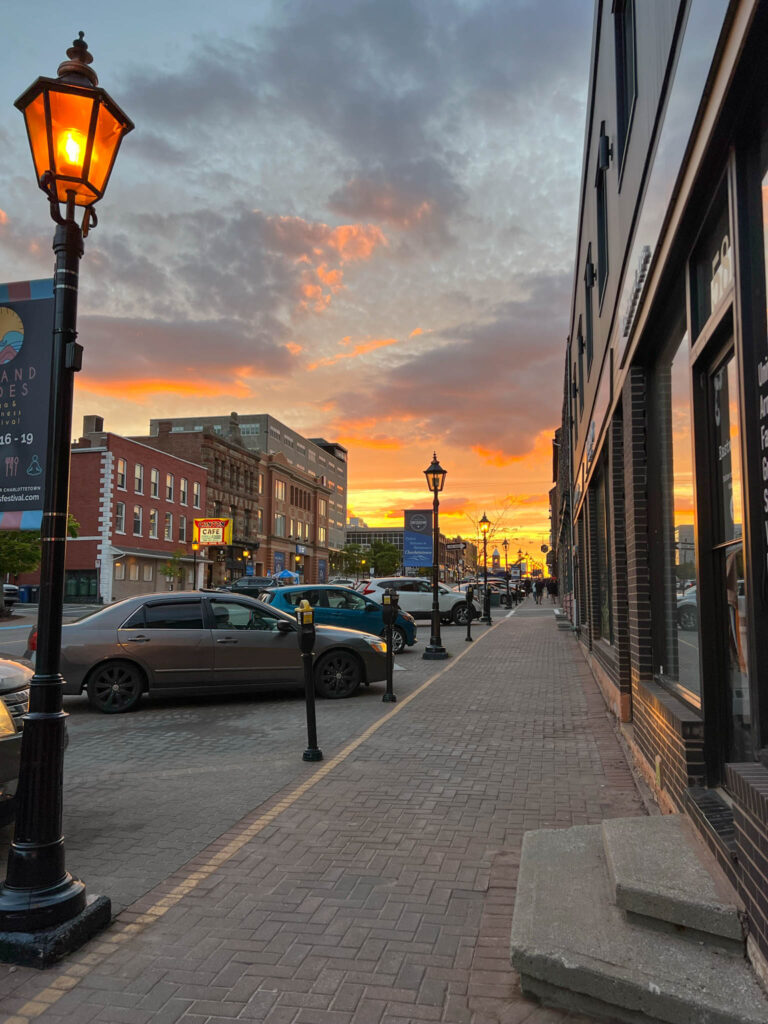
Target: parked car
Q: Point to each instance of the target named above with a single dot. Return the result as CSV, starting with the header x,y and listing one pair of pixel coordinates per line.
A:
x,y
415,596
251,585
343,581
343,606
187,643
688,610
14,702
10,594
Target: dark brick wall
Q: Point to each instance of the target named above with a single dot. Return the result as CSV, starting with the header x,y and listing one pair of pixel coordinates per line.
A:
x,y
592,604
748,784
623,678
664,725
636,520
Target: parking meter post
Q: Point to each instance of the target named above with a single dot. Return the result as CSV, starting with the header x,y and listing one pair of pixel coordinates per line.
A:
x,y
470,611
487,607
390,605
306,620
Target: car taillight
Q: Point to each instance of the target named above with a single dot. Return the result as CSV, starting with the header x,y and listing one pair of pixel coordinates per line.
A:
x,y
32,642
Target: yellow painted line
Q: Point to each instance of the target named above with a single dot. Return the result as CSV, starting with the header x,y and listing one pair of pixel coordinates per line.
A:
x,y
103,947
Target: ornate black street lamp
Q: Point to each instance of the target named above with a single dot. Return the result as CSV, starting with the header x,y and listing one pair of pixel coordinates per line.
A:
x,y
435,475
485,525
505,545
74,130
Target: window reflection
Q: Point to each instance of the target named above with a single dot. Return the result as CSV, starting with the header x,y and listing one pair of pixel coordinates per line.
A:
x,y
677,637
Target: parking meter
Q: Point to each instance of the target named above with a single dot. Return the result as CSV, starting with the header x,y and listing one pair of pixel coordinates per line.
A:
x,y
390,608
306,620
470,610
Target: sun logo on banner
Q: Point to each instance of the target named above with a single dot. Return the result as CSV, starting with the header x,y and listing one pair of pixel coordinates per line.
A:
x,y
11,334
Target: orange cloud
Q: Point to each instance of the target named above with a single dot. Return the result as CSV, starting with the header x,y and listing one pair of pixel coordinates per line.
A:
x,y
293,347
135,390
416,331
359,350
3,217
355,241
495,457
331,278
388,444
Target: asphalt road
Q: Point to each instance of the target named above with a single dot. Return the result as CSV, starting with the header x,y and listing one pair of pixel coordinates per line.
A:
x,y
146,791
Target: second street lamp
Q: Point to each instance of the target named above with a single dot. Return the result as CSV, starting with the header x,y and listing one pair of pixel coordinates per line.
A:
x,y
485,525
505,545
435,475
74,131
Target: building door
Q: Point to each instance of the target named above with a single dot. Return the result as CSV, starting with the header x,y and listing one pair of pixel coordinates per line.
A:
x,y
729,606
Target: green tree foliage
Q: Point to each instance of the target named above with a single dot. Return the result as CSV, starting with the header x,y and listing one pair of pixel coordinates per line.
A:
x,y
173,570
22,550
385,558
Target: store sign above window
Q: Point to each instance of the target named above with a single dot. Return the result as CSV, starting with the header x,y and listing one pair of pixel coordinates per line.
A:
x,y
212,531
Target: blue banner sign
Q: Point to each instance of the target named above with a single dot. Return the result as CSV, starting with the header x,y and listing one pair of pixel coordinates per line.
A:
x,y
417,538
26,335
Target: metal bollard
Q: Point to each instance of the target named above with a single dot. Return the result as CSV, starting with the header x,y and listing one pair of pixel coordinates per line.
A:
x,y
306,620
391,606
470,611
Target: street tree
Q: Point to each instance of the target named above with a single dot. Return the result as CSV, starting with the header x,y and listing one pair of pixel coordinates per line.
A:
x,y
22,551
385,558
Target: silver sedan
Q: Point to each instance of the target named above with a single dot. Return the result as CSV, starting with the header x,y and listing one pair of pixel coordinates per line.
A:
x,y
198,642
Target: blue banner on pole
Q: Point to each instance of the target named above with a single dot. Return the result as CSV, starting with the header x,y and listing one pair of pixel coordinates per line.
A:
x,y
417,538
26,336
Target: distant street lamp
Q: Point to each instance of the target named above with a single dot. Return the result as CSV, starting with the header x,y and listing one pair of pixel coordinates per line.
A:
x,y
74,130
505,545
435,475
485,525
195,549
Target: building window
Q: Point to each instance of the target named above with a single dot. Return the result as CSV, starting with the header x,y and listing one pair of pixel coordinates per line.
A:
x,y
260,520
119,570
196,495
673,554
261,483
626,70
602,213
121,471
589,281
182,528
169,486
322,507
168,530
580,346
183,490
149,572
280,490
153,523
120,517
133,571
605,619
322,534
138,520
154,483
138,478
279,525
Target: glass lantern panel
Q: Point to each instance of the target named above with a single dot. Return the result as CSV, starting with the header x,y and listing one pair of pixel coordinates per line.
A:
x,y
70,124
105,143
34,115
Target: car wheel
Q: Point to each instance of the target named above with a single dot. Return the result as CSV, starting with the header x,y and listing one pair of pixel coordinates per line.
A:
x,y
115,686
337,674
399,639
459,614
687,618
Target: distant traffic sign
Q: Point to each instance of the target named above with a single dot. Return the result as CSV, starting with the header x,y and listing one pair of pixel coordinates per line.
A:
x,y
456,546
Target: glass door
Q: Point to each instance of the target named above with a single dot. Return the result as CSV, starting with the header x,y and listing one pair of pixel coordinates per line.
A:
x,y
729,601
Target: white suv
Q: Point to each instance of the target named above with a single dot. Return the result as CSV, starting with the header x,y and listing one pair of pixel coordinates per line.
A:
x,y
415,596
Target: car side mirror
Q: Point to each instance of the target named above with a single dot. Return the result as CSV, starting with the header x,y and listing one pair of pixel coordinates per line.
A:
x,y
284,626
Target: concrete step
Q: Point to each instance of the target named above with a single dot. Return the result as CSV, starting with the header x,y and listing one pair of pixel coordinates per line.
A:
x,y
575,948
660,869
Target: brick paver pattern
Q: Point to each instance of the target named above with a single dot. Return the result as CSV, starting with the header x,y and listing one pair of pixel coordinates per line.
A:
x,y
385,893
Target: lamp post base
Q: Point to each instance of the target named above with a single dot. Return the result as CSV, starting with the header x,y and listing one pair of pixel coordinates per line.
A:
x,y
42,948
389,698
312,754
434,653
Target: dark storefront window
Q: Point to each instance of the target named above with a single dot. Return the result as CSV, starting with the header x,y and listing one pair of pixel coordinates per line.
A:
x,y
675,599
729,553
603,581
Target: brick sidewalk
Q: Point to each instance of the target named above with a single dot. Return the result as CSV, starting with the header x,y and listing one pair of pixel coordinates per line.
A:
x,y
382,892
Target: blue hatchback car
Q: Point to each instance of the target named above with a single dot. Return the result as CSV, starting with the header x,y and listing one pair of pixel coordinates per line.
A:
x,y
342,606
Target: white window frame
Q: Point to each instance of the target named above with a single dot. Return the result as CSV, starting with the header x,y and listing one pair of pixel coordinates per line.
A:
x,y
122,474
153,524
120,517
154,483
138,478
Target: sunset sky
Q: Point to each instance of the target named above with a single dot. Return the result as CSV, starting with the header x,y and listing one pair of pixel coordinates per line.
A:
x,y
359,217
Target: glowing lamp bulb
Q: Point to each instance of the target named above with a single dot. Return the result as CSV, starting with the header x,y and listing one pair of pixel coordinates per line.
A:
x,y
72,148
